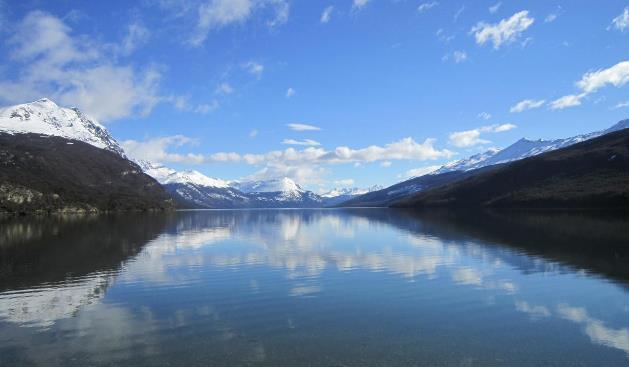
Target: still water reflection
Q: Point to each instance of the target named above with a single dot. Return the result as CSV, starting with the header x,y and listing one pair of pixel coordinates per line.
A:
x,y
364,287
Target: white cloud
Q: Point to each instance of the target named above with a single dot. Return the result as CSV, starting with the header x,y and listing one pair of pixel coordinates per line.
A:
x,y
386,164
137,34
484,115
359,4
621,22
504,32
305,142
527,104
156,149
616,75
456,56
494,8
468,138
254,68
224,88
216,14
550,18
206,108
75,70
303,127
622,104
567,101
443,37
253,133
426,6
416,172
327,14
308,161
290,92
459,12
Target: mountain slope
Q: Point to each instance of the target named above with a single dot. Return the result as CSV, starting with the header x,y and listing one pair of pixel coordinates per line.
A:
x,y
46,118
523,148
50,173
464,168
593,173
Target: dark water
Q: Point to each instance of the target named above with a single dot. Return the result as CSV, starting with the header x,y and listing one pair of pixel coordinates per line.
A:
x,y
365,287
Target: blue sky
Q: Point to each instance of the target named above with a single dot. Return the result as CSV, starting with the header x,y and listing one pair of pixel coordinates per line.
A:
x,y
385,88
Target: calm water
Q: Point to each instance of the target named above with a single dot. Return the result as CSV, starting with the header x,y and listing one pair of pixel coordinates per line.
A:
x,y
365,287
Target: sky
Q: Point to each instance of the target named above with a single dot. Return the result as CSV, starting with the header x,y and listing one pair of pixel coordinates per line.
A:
x,y
329,93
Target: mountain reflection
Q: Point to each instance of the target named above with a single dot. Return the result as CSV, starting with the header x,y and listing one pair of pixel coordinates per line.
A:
x,y
144,277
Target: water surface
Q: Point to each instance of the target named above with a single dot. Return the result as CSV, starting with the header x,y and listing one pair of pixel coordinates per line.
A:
x,y
363,287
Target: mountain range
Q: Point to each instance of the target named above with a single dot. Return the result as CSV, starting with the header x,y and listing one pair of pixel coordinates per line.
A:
x,y
56,133
467,167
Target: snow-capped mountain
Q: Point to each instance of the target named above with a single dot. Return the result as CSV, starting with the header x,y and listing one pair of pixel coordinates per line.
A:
x,y
521,149
338,195
283,184
467,167
47,118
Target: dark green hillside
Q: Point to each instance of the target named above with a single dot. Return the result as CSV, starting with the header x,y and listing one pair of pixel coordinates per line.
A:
x,y
47,174
591,174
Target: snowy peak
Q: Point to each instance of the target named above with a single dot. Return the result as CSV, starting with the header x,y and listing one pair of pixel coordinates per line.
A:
x,y
623,124
195,178
166,175
521,149
47,118
350,191
283,184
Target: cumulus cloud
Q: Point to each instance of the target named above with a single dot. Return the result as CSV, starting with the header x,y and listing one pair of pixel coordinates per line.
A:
x,y
137,34
386,164
527,104
426,6
504,32
616,75
290,92
359,4
622,104
224,88
494,8
217,14
308,163
468,138
75,70
484,115
253,68
305,142
457,57
567,101
303,127
327,14
156,149
621,22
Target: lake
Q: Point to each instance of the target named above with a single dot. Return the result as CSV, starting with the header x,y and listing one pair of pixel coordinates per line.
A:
x,y
361,287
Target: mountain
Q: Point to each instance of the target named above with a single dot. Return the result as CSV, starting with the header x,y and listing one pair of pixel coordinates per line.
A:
x,y
59,159
521,149
192,189
41,173
339,195
590,174
46,118
464,168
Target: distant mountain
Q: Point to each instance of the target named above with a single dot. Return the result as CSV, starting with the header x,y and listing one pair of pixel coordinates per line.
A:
x,y
521,149
46,118
41,173
464,168
591,174
337,196
192,189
